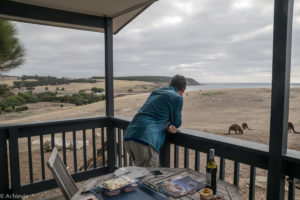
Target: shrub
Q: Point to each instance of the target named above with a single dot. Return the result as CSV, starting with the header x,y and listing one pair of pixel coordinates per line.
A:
x,y
97,90
47,96
13,101
61,105
4,91
62,89
0,110
21,108
130,90
30,88
46,88
8,109
29,97
57,88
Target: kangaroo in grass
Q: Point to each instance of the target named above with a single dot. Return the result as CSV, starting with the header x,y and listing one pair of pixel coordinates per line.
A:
x,y
99,157
245,126
236,128
291,127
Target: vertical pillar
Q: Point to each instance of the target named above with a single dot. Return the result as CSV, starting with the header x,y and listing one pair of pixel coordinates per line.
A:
x,y
4,181
109,93
109,84
282,37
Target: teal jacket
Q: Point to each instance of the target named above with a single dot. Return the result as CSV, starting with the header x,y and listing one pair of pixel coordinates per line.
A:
x,y
162,109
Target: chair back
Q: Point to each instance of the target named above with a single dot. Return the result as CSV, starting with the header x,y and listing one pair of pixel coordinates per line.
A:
x,y
61,175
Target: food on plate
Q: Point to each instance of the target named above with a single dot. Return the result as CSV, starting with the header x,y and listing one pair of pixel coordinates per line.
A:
x,y
117,183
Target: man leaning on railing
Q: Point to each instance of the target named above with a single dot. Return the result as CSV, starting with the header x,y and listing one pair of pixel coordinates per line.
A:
x,y
161,113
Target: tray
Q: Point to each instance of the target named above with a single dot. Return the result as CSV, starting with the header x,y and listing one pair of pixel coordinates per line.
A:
x,y
141,192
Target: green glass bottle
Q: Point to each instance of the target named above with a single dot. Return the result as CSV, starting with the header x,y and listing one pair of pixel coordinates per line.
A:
x,y
211,172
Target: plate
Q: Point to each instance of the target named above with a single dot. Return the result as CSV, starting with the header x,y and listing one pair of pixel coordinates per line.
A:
x,y
132,172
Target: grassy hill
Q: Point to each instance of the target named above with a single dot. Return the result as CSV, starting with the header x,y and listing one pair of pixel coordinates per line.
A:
x,y
155,79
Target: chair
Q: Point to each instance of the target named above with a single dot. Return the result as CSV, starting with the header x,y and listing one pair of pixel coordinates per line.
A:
x,y
61,175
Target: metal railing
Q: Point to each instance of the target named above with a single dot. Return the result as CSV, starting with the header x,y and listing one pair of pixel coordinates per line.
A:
x,y
101,131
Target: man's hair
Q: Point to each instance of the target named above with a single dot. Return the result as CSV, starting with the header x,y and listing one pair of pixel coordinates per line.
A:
x,y
178,82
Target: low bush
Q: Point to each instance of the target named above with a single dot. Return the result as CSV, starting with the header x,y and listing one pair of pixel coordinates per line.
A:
x,y
21,108
97,90
47,96
30,88
13,101
29,97
8,109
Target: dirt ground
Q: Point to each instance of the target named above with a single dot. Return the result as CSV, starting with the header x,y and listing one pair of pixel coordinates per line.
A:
x,y
209,111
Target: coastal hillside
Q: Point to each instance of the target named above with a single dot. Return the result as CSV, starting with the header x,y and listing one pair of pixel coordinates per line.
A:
x,y
154,79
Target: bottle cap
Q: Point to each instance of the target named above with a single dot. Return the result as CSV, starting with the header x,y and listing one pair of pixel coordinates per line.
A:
x,y
211,154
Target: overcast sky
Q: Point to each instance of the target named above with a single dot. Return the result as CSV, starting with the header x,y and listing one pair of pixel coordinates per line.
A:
x,y
208,40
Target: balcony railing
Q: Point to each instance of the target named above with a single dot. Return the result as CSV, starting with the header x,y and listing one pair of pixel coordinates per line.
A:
x,y
22,164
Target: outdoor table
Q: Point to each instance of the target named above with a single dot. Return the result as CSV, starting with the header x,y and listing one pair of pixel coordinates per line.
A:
x,y
227,190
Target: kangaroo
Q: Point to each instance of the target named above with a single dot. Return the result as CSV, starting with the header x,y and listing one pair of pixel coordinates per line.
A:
x,y
291,127
236,128
99,157
245,126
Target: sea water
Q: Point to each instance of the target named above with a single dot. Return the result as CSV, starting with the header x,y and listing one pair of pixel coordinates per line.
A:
x,y
216,86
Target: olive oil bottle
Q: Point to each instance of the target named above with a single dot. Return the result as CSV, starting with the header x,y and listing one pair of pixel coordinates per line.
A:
x,y
211,172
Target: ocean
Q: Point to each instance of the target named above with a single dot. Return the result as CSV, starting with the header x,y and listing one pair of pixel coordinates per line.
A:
x,y
216,86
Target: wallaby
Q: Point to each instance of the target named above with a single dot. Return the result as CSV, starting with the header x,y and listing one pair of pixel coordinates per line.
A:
x,y
99,157
291,127
236,128
245,126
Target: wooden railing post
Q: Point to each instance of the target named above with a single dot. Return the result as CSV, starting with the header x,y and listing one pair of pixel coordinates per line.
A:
x,y
14,160
4,182
111,147
164,155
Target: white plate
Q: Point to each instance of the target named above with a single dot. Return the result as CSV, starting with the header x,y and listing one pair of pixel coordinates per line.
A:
x,y
132,172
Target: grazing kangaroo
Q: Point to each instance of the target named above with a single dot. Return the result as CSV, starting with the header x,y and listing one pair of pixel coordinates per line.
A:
x,y
291,127
236,128
245,126
99,157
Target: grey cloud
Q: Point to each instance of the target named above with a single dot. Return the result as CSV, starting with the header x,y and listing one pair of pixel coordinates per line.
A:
x,y
209,40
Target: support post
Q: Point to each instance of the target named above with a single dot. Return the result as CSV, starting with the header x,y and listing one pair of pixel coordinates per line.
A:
x,y
109,93
282,37
14,160
109,77
4,182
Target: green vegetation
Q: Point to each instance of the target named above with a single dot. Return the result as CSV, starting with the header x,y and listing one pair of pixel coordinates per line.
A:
x,y
212,93
13,101
11,50
30,88
8,109
155,79
21,108
17,101
4,91
46,88
48,80
130,90
29,97
97,90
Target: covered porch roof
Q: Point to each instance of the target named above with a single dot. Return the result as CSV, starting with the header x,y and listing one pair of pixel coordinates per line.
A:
x,y
78,14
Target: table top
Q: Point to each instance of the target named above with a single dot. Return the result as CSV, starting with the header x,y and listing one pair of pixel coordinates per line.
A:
x,y
227,190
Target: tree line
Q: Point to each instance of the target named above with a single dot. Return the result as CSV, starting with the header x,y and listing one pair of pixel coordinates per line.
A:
x,y
10,102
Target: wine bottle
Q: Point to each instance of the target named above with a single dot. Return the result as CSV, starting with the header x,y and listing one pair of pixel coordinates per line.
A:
x,y
211,172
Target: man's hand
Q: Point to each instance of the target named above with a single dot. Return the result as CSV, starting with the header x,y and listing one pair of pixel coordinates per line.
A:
x,y
172,129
